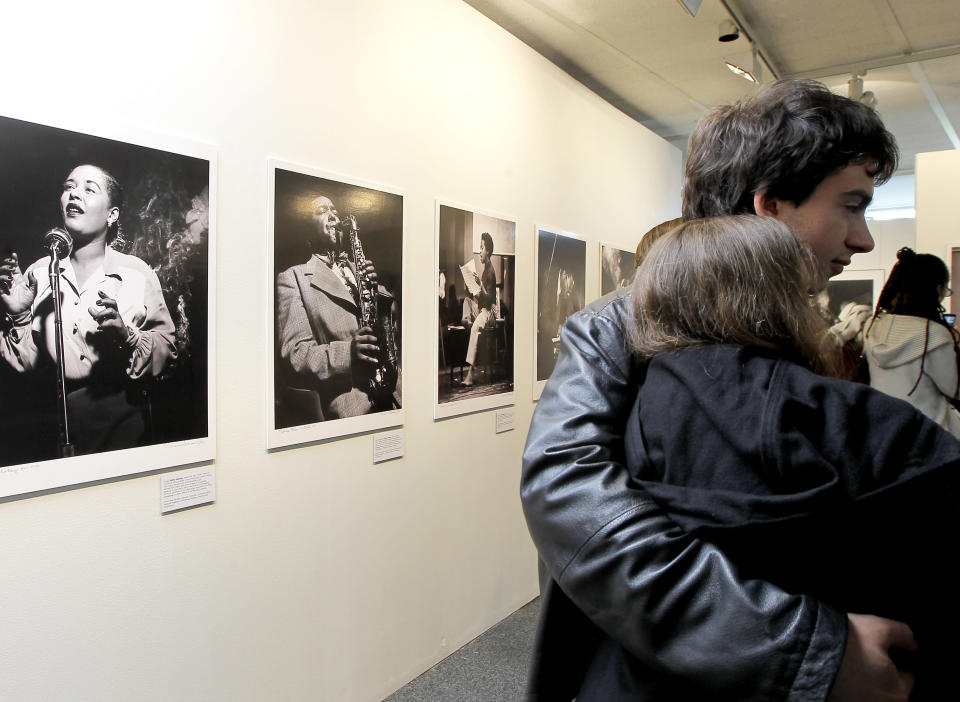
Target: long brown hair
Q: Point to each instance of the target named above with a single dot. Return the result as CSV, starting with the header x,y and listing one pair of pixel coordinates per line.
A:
x,y
731,280
651,236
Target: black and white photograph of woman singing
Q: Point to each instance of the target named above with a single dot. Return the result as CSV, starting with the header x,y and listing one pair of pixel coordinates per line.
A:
x,y
103,294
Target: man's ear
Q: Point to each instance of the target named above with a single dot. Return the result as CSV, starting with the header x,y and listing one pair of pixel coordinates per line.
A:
x,y
765,205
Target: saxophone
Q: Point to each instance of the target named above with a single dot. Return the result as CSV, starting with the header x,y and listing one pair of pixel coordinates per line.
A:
x,y
374,311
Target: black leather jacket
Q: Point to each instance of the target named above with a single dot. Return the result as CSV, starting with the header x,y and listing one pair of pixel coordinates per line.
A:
x,y
615,568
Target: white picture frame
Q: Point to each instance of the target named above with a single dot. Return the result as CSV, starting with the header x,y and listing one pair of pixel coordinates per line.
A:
x,y
560,271
457,239
952,251
170,187
615,263
862,286
295,186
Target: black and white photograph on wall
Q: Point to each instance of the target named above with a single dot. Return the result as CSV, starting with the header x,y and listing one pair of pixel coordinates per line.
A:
x,y
336,306
476,284
616,268
106,312
850,291
561,286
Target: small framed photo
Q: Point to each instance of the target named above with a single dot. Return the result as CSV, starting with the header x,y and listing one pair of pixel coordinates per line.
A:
x,y
336,306
561,269
475,260
860,287
616,268
952,259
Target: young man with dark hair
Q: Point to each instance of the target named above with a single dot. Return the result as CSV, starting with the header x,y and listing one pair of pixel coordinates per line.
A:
x,y
614,568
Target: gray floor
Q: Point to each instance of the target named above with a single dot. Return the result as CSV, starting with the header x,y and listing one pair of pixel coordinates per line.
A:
x,y
491,668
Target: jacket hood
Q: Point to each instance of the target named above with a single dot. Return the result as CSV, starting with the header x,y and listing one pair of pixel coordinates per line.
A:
x,y
895,339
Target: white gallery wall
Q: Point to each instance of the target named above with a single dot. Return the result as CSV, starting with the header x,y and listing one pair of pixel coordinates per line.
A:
x,y
889,235
316,575
938,230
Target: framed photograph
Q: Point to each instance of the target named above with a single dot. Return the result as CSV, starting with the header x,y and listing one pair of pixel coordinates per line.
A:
x,y
952,259
561,267
336,306
114,237
851,286
475,260
616,268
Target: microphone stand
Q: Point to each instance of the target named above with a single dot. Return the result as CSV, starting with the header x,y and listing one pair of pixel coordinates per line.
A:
x,y
66,449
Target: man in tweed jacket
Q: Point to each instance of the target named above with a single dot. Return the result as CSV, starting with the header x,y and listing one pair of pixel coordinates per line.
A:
x,y
325,354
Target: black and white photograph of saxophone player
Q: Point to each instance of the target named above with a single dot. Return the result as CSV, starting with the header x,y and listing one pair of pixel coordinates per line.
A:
x,y
338,265
109,242
561,285
476,255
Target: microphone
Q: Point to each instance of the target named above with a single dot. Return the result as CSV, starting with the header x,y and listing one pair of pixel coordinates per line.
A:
x,y
59,242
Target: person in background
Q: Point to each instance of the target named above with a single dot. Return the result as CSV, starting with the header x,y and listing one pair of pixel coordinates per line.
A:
x,y
486,299
451,306
910,348
568,301
651,237
469,310
613,563
847,334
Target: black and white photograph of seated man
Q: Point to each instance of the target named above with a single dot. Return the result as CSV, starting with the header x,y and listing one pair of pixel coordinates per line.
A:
x,y
561,274
476,259
128,227
338,268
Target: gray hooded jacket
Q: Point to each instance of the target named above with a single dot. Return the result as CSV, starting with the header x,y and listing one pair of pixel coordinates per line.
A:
x,y
894,346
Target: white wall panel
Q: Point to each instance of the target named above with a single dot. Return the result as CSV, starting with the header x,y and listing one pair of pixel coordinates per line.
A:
x,y
316,575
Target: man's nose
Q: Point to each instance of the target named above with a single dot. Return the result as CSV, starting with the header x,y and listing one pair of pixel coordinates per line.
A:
x,y
860,239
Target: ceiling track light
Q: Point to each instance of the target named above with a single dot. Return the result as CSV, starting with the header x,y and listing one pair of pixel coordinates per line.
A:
x,y
742,72
856,92
754,75
728,31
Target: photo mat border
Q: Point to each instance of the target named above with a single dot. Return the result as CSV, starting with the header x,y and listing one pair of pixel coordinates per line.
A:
x,y
479,404
25,479
347,426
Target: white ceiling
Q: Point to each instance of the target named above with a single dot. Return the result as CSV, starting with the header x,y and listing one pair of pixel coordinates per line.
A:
x,y
665,68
